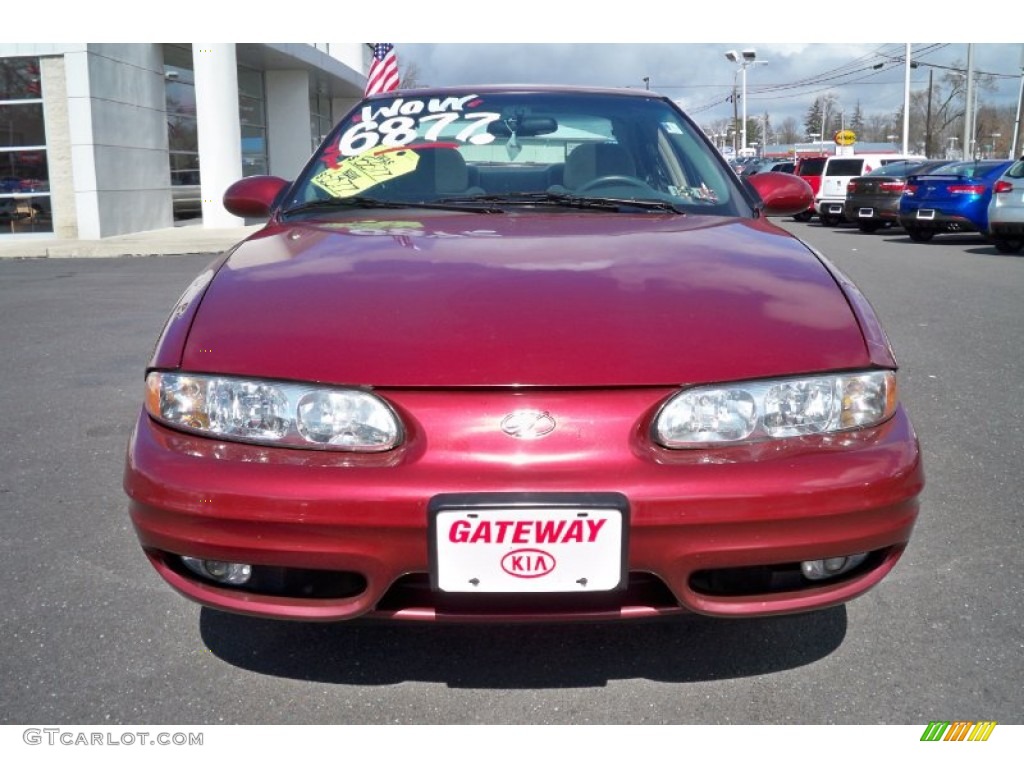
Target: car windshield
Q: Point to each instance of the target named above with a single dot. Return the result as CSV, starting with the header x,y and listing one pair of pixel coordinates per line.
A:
x,y
970,169
894,169
488,151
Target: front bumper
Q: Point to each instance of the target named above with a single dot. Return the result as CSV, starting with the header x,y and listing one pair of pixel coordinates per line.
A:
x,y
696,518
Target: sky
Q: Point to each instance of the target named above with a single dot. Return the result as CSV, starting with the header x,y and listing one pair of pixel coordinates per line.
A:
x,y
680,46
701,78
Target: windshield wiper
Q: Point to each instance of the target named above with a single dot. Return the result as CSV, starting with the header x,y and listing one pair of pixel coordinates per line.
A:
x,y
564,200
362,201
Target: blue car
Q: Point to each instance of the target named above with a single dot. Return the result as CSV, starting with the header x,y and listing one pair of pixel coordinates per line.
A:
x,y
953,200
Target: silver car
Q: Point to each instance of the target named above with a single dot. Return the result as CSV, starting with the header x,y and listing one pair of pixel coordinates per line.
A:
x,y
1006,211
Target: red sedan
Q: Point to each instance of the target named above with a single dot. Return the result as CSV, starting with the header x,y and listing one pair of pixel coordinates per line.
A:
x,y
509,354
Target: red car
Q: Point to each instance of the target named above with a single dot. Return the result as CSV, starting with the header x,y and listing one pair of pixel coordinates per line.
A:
x,y
810,169
512,354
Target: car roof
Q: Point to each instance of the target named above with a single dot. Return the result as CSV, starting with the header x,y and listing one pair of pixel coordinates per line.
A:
x,y
518,88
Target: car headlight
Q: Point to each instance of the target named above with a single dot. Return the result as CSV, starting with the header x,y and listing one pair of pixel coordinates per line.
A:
x,y
775,408
273,413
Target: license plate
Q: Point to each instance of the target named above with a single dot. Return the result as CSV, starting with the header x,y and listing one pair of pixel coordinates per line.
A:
x,y
926,213
866,213
835,209
513,543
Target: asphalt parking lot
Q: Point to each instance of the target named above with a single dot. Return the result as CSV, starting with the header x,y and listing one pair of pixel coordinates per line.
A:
x,y
92,635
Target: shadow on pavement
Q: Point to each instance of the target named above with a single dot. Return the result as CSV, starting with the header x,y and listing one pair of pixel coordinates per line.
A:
x,y
684,649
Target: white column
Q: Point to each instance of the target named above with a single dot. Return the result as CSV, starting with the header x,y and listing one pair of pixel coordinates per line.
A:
x,y
289,143
218,127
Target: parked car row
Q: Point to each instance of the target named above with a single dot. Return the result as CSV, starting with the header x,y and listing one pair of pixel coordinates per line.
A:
x,y
839,171
873,200
925,197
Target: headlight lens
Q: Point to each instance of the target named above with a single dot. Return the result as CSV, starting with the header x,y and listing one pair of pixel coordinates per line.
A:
x,y
273,413
776,408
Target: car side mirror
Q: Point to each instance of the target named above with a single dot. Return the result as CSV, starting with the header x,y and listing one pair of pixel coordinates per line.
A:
x,y
783,194
254,196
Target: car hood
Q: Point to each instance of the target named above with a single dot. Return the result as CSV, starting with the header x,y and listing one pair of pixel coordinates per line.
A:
x,y
437,299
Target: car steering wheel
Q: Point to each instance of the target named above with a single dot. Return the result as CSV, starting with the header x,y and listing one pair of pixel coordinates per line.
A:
x,y
608,181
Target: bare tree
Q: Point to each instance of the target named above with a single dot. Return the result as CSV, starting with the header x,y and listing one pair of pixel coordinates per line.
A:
x,y
789,131
409,75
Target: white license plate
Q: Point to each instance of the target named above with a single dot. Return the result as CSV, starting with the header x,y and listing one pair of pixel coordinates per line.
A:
x,y
835,209
926,213
531,549
866,213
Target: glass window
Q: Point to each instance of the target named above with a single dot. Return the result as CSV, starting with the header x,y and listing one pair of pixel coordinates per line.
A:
x,y
178,64
253,117
21,125
320,122
19,79
250,111
182,131
24,171
250,83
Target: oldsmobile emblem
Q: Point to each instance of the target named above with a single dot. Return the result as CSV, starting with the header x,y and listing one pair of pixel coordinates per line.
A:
x,y
528,425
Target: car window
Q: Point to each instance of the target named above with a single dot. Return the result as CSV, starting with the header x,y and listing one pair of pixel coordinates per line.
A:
x,y
811,167
1016,171
846,167
892,169
445,145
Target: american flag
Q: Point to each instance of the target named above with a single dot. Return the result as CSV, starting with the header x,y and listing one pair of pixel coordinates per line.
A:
x,y
383,75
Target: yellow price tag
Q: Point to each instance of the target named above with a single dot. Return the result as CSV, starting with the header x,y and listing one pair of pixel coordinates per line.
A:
x,y
357,174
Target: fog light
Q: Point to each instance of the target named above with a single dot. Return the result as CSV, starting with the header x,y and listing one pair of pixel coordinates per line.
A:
x,y
830,567
218,570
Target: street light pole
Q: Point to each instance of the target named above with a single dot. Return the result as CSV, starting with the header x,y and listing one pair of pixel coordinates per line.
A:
x,y
744,128
749,59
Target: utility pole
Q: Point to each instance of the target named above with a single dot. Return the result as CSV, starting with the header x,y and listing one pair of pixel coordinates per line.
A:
x,y
968,107
906,104
928,118
1014,152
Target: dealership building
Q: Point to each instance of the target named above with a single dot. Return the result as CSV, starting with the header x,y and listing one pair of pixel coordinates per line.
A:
x,y
102,139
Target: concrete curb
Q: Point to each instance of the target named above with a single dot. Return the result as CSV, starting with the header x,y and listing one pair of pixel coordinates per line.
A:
x,y
174,241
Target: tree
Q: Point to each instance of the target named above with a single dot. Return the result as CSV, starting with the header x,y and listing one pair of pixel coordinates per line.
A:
x,y
878,126
409,75
937,112
812,120
856,121
822,115
789,132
